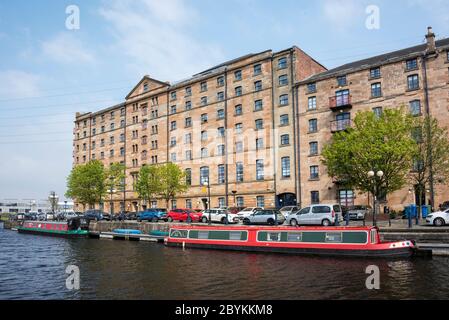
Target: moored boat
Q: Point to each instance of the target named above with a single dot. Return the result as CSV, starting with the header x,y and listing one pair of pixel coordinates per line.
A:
x,y
72,228
328,241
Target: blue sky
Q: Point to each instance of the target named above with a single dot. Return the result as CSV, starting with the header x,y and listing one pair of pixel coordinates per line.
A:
x,y
48,72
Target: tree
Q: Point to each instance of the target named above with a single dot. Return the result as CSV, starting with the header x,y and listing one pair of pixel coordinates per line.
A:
x,y
431,157
148,183
172,182
115,176
87,183
375,143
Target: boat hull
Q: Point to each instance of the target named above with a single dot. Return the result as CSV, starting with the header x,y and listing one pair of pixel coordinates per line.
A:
x,y
361,253
60,234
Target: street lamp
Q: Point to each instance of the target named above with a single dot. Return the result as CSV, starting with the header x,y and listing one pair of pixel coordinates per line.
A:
x,y
372,175
208,199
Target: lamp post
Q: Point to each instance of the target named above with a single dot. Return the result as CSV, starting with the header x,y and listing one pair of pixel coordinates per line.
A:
x,y
208,200
373,175
53,200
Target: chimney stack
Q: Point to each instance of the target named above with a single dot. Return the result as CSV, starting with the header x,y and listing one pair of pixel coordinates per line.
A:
x,y
430,37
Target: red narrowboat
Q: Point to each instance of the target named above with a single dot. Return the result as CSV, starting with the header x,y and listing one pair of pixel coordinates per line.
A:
x,y
73,228
328,241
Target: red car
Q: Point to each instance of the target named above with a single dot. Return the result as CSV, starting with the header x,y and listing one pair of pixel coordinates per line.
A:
x,y
185,215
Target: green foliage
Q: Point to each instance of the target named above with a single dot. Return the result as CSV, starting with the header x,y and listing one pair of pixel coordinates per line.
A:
x,y
116,177
172,181
87,183
374,144
148,184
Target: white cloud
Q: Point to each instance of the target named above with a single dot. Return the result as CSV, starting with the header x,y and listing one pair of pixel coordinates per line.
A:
x,y
154,35
18,84
342,13
67,48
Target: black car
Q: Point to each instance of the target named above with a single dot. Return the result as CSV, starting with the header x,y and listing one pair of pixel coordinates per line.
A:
x,y
96,215
122,216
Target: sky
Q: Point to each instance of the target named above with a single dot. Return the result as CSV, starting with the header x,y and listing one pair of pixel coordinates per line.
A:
x,y
51,66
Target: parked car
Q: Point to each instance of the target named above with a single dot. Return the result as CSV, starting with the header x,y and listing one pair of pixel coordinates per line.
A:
x,y
96,215
438,219
444,206
50,216
219,215
286,211
233,210
33,216
357,212
64,216
245,213
186,215
122,216
153,215
319,214
265,217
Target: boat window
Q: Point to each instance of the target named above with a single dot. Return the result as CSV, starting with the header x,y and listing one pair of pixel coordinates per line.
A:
x,y
373,236
235,235
334,237
178,233
294,237
203,234
272,236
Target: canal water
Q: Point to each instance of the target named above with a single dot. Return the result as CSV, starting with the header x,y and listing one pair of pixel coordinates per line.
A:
x,y
33,267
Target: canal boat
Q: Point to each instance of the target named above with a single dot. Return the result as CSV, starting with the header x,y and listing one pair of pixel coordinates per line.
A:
x,y
321,241
72,228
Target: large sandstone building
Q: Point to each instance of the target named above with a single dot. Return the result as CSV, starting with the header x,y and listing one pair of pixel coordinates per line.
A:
x,y
252,128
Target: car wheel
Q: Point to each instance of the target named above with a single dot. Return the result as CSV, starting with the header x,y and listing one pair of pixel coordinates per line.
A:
x,y
438,222
204,220
246,221
170,219
293,222
224,220
270,222
325,223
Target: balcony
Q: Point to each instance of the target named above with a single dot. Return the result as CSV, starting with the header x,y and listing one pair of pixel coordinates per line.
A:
x,y
337,103
340,125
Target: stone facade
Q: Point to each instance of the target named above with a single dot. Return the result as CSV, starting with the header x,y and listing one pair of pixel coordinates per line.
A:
x,y
227,118
360,79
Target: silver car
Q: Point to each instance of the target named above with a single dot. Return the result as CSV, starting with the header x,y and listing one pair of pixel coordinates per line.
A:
x,y
319,214
359,212
265,217
286,211
438,219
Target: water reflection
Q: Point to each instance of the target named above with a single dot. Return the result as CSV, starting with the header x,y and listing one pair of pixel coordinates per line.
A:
x,y
33,267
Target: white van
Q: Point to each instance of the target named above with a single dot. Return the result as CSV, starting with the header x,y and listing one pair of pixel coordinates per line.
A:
x,y
317,214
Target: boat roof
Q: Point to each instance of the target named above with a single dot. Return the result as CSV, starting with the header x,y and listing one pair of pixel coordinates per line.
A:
x,y
272,228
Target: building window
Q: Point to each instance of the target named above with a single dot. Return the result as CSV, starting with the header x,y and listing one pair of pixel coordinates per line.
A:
x,y
145,87
311,87
188,174
314,173
94,131
221,202
203,86
174,204
173,95
188,122
188,91
203,101
312,103
315,197
260,201
313,148
238,128
221,132
204,152
173,125
239,171
258,105
258,85
257,69
203,135
313,125
122,151
259,124
346,198
172,109
239,147
283,80
122,123
221,174
189,155
221,150
282,63
188,204
259,170
173,157
238,110
220,81
285,164
259,144
341,81
188,105
415,108
413,82
283,100
204,175
204,118
374,73
411,64
111,140
220,96
376,90
238,91
240,202
285,140
284,120
220,114
188,138
172,141
238,75
378,112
